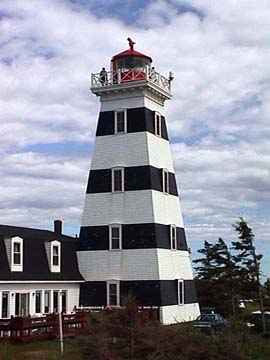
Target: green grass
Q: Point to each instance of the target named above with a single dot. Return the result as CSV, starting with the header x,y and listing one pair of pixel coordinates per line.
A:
x,y
40,350
150,341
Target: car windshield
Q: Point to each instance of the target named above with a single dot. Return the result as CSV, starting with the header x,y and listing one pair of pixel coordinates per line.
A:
x,y
207,317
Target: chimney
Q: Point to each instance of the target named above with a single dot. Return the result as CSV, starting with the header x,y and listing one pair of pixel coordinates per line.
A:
x,y
58,227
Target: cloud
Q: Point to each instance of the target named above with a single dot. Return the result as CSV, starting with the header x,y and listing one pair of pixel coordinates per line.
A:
x,y
218,119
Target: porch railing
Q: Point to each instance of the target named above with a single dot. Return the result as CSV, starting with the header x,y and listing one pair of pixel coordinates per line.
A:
x,y
26,329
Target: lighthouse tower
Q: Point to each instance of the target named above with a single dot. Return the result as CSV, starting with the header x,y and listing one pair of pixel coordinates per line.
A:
x,y
132,237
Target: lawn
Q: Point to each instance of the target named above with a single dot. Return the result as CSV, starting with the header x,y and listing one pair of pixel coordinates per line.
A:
x,y
123,337
41,350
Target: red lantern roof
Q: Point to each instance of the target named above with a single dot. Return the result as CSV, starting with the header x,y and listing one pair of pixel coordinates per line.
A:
x,y
131,52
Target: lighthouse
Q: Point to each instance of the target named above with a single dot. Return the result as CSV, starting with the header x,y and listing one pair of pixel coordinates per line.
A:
x,y
132,238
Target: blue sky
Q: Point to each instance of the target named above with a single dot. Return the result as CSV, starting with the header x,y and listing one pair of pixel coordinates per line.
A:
x,y
129,11
218,119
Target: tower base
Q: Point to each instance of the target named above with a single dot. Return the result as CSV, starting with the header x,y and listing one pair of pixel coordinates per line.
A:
x,y
173,314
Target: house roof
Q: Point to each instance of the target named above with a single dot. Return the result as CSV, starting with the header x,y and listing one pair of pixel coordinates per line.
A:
x,y
35,261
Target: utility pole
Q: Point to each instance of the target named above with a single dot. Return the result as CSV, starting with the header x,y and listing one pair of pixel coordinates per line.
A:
x,y
259,288
61,325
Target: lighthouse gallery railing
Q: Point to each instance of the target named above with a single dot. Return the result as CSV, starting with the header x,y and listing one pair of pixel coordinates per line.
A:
x,y
129,75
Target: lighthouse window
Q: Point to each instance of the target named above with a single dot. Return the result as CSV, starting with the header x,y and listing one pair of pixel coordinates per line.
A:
x,y
180,292
165,181
120,121
117,179
173,237
113,293
115,237
158,124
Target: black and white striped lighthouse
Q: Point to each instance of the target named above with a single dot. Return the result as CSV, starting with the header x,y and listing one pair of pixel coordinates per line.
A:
x,y
132,237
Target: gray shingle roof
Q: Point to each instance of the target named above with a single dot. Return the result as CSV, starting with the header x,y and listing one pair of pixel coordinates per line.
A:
x,y
35,262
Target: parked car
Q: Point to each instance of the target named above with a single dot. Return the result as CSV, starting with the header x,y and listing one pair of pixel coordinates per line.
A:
x,y
210,323
254,320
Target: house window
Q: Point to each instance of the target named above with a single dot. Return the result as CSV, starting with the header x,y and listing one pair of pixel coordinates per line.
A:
x,y
165,181
64,301
38,302
173,237
113,293
56,301
120,121
157,124
115,237
55,256
180,292
22,304
5,304
17,254
117,179
47,301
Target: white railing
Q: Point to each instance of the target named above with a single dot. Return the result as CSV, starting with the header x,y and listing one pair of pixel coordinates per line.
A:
x,y
108,78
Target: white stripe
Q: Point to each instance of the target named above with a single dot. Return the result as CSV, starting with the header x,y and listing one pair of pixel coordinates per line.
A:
x,y
131,207
130,101
135,264
179,313
132,149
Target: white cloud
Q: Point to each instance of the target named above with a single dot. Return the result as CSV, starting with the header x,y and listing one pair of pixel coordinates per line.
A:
x,y
219,116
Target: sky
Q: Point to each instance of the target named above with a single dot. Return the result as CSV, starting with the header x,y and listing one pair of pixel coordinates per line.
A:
x,y
218,119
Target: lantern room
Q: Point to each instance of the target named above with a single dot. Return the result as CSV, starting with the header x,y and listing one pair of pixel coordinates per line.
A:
x,y
130,59
130,68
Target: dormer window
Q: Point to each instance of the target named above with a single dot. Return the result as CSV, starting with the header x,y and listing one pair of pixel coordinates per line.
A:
x,y
17,254
157,124
55,256
120,121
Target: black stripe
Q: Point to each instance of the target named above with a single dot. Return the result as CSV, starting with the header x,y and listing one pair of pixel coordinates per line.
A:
x,y
190,292
93,293
138,120
134,236
146,292
136,178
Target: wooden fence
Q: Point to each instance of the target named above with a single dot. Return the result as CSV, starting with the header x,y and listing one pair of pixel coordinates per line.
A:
x,y
26,329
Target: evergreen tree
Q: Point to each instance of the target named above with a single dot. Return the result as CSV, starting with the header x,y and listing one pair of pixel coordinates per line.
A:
x,y
223,276
246,260
248,263
207,269
215,278
266,289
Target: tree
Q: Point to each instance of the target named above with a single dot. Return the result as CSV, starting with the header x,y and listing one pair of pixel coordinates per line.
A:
x,y
215,280
267,287
248,262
